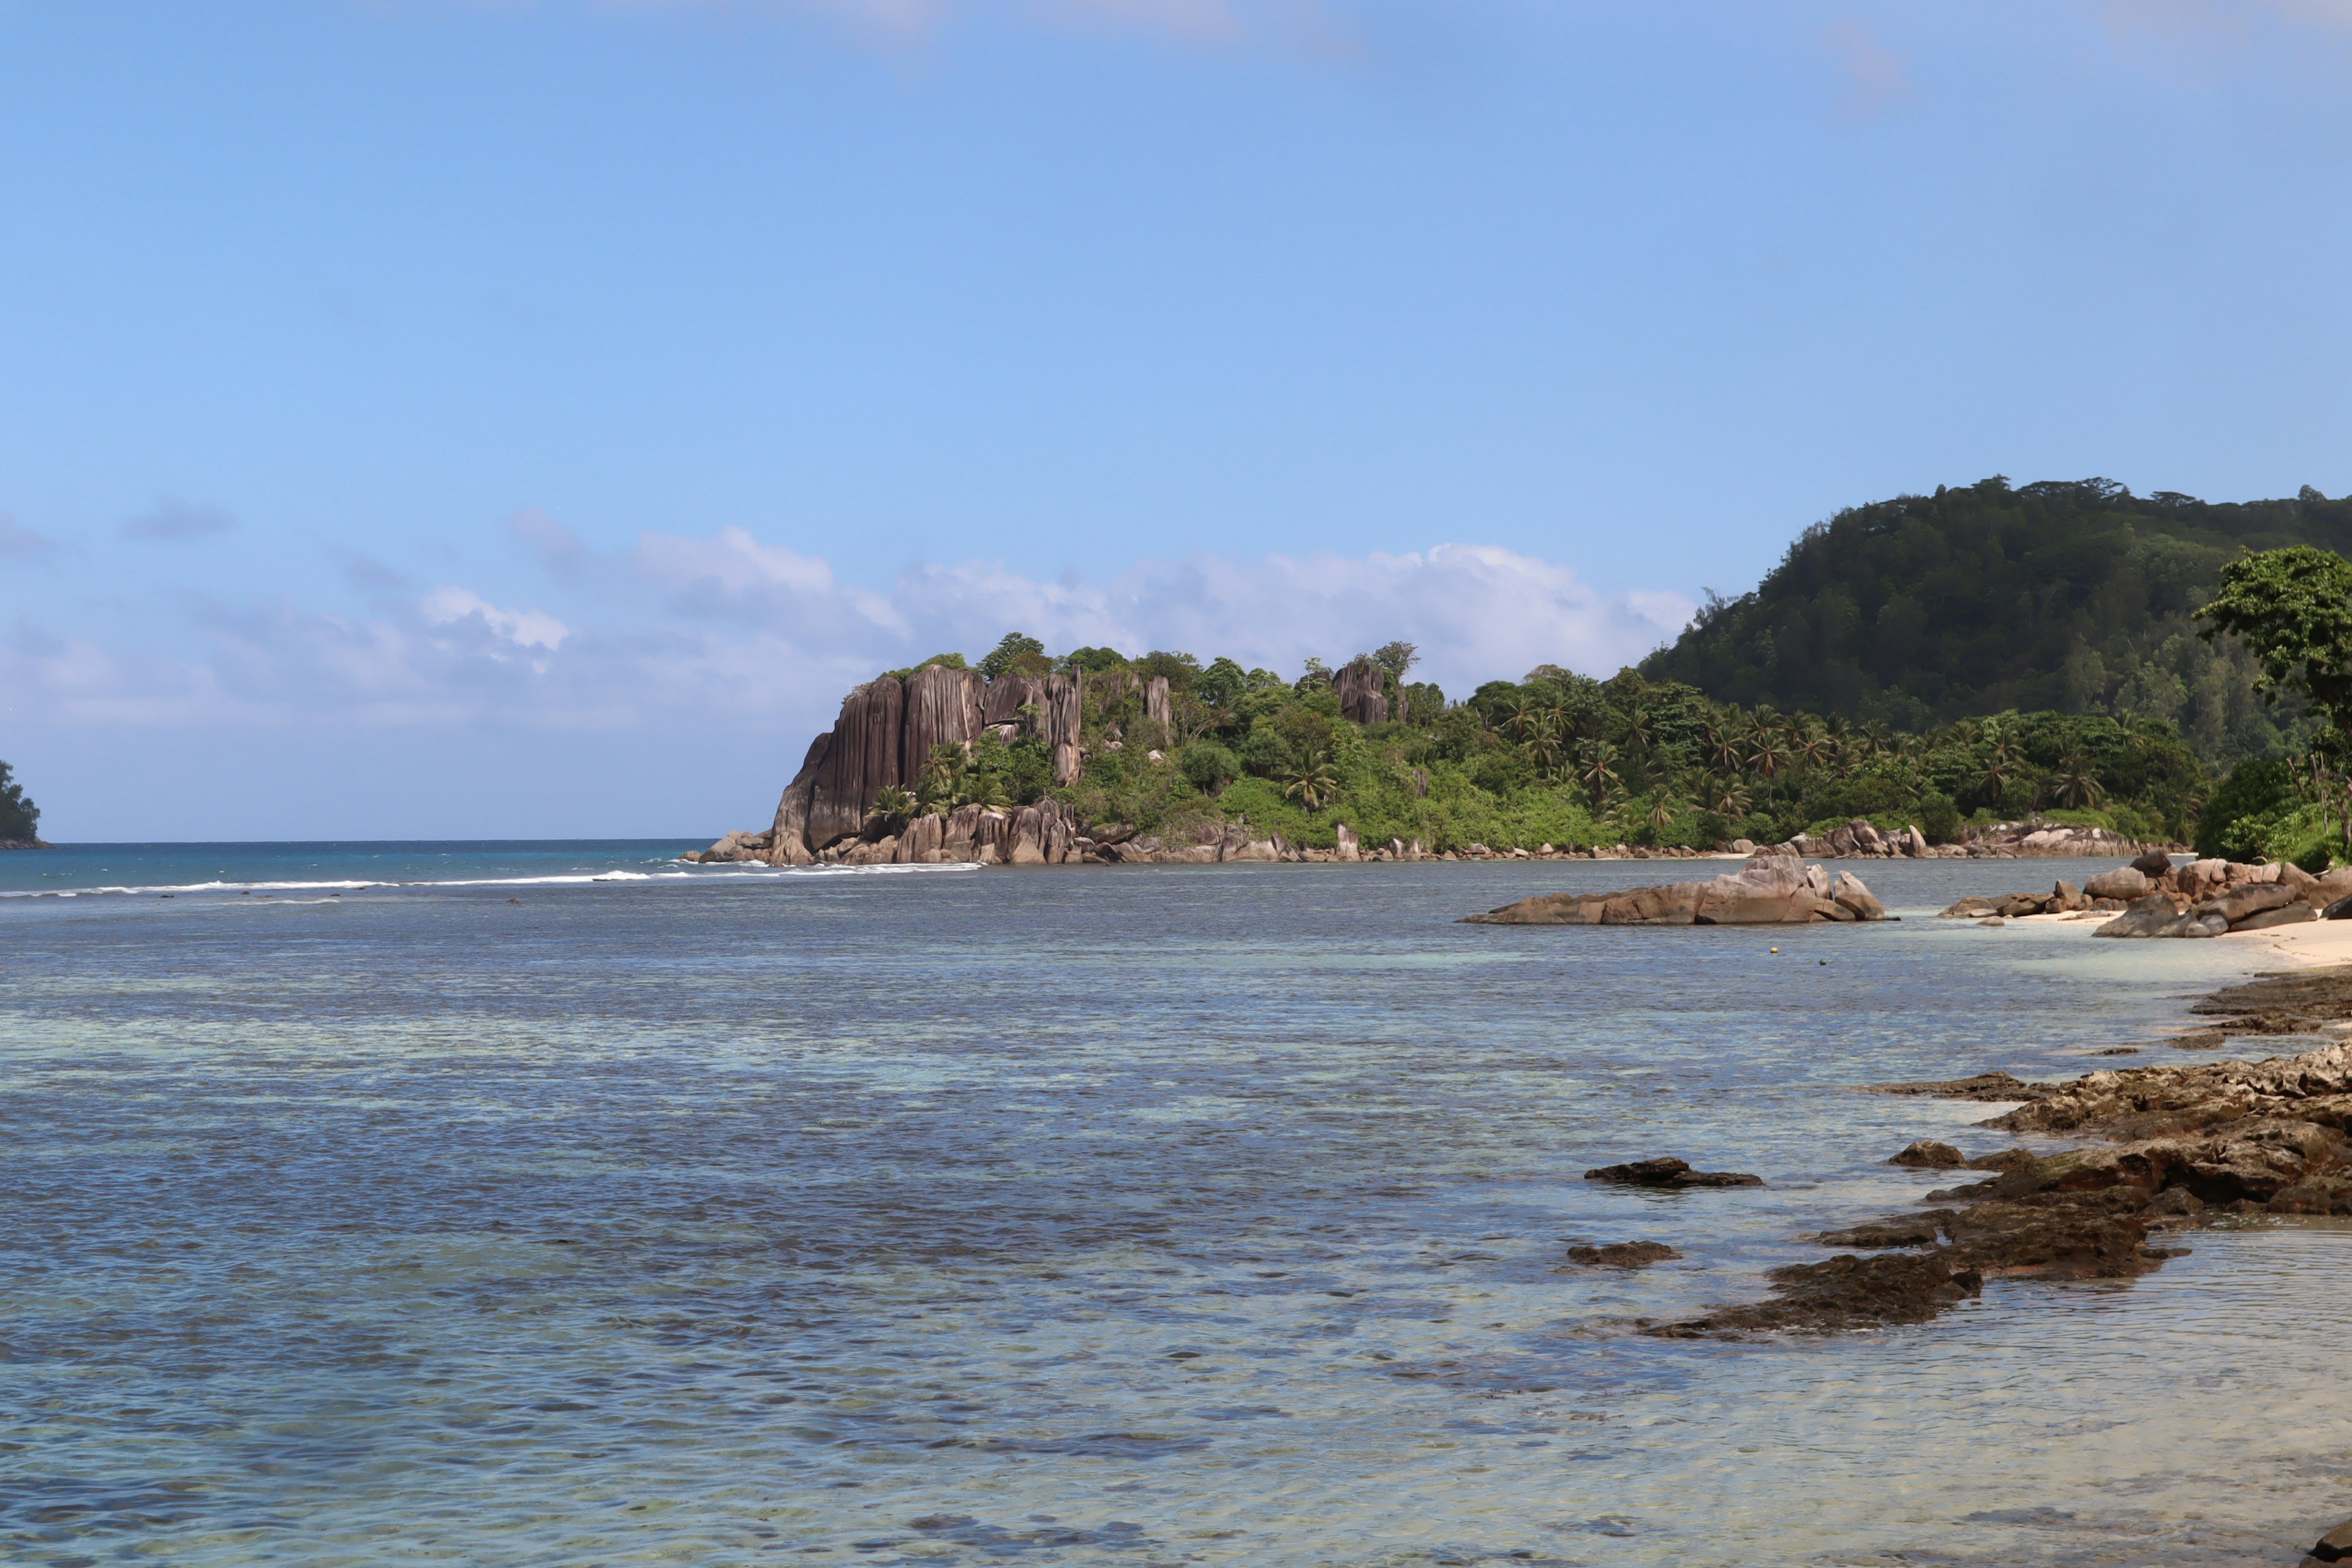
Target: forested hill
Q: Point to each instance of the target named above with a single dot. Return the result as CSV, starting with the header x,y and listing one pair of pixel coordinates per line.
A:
x,y
2075,596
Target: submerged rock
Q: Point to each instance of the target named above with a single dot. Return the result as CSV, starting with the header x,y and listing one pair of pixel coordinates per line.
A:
x,y
1670,1173
1623,1255
1844,1292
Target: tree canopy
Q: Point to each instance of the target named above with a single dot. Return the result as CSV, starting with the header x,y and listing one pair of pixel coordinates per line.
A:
x,y
19,818
2077,597
1556,758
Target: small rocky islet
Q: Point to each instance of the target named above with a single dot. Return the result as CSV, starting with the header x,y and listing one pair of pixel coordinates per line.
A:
x,y
1771,888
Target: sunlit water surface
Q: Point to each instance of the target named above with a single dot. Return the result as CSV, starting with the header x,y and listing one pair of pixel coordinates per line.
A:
x,y
1147,1216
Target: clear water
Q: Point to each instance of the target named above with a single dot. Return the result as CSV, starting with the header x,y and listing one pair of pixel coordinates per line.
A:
x,y
1149,1215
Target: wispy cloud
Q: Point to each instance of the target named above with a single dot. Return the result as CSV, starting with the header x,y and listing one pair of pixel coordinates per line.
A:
x,y
18,542
1877,78
557,549
727,628
178,520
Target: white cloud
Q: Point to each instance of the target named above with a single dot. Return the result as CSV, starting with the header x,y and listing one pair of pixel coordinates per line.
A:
x,y
446,606
1478,611
728,630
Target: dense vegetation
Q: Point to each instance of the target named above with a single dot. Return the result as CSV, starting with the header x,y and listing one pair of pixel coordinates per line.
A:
x,y
19,816
2077,597
2291,609
1554,758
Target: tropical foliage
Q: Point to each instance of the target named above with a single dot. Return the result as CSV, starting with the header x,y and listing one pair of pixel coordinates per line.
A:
x,y
19,818
2292,608
2076,597
1561,759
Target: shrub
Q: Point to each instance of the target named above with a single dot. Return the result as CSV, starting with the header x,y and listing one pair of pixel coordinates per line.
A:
x,y
1210,767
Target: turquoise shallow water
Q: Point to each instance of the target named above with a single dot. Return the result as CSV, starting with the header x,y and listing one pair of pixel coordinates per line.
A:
x,y
1147,1216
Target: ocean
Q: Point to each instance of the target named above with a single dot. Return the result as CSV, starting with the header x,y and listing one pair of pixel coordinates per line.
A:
x,y
559,1204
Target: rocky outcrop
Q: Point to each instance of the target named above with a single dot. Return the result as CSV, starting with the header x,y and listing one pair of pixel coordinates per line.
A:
x,y
944,708
1362,688
863,760
1155,706
1672,1174
1007,695
884,738
2231,1136
2032,838
1770,889
788,838
2336,1546
2234,1137
2153,897
1065,712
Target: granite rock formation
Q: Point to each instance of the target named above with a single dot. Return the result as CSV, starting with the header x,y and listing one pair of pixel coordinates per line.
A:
x,y
2180,1143
1362,688
2153,897
1770,889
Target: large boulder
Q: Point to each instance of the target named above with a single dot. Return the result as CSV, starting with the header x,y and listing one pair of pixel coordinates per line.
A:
x,y
1848,892
2330,886
1770,889
2125,882
2295,913
2148,916
2246,900
2152,864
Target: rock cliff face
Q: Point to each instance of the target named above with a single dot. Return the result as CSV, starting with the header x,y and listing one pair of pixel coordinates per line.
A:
x,y
944,708
1362,687
882,740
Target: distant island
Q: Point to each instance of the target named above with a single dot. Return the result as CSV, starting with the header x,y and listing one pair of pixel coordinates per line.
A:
x,y
20,819
1989,668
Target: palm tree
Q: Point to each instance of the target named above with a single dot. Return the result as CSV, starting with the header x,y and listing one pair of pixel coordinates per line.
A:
x,y
1544,747
894,805
1637,736
1875,743
1523,713
1312,784
1994,780
2077,784
1664,809
1767,753
939,781
1596,770
1721,748
1727,799
1810,743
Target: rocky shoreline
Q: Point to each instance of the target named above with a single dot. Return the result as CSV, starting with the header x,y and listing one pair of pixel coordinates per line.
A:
x,y
1049,834
2179,1146
2154,896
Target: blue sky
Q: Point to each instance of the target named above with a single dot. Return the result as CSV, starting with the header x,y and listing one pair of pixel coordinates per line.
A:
x,y
510,418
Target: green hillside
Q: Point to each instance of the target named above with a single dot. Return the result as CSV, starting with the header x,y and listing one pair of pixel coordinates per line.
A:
x,y
2074,597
